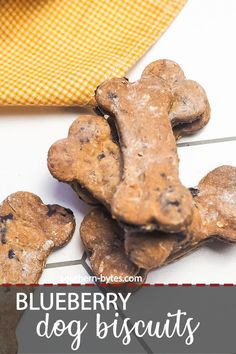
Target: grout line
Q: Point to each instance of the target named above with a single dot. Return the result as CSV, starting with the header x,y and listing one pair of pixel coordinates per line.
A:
x,y
84,257
63,264
209,141
67,263
87,268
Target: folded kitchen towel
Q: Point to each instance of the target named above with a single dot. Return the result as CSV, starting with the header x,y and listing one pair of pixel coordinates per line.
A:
x,y
55,52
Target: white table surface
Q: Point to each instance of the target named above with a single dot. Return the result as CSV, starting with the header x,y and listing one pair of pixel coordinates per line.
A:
x,y
201,40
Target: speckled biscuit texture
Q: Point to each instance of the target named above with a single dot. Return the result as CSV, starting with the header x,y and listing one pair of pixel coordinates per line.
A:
x,y
150,193
190,109
214,217
88,159
29,231
104,241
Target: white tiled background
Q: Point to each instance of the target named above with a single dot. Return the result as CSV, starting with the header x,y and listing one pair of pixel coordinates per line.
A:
x,y
202,41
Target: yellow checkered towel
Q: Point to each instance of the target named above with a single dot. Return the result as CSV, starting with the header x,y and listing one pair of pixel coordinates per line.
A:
x,y
55,52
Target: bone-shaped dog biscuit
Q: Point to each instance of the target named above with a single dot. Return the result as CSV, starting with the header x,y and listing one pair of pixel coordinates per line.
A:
x,y
29,231
142,111
88,159
214,217
150,193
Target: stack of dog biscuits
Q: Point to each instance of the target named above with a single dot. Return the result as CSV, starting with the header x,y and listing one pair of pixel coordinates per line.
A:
x,y
124,162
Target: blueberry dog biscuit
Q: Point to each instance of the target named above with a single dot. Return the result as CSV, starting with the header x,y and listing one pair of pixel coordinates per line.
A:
x,y
104,241
88,159
29,231
214,217
150,194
